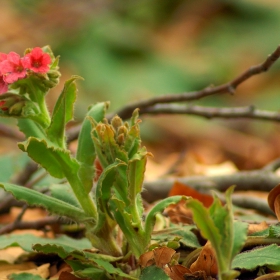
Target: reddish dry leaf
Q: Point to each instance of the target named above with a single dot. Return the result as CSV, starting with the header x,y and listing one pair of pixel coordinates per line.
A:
x,y
182,189
146,259
163,256
257,227
159,256
206,261
179,213
68,276
274,200
177,272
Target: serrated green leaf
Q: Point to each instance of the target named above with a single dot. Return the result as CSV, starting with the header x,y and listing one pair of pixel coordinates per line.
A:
x,y
85,150
53,205
153,273
265,256
27,241
55,161
62,113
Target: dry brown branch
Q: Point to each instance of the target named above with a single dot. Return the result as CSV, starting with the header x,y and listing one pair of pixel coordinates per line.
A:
x,y
229,87
264,179
38,224
249,112
151,106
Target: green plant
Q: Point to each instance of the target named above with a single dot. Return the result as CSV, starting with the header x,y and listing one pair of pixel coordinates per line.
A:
x,y
227,236
102,202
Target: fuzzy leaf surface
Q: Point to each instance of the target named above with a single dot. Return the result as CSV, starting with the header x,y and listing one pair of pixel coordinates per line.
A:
x,y
54,160
266,256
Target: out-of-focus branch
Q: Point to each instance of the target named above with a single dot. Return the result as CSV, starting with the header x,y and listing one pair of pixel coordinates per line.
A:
x,y
229,87
10,132
151,105
258,180
249,112
38,224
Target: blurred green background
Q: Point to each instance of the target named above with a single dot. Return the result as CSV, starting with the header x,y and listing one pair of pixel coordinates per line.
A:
x,y
131,50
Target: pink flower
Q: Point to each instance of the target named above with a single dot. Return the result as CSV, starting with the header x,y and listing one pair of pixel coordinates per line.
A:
x,y
3,56
3,85
12,68
37,61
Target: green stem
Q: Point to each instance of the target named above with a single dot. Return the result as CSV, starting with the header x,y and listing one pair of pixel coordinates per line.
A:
x,y
83,197
39,97
104,240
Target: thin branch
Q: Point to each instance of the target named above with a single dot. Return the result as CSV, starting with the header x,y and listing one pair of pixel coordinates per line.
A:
x,y
259,180
264,179
248,112
38,224
229,87
148,106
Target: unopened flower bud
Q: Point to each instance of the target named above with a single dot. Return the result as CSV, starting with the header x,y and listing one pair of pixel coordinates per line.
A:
x,y
16,108
116,122
120,139
122,130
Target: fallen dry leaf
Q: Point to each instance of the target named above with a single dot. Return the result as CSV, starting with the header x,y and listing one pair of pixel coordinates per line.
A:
x,y
182,189
206,261
274,200
28,267
177,272
252,228
179,213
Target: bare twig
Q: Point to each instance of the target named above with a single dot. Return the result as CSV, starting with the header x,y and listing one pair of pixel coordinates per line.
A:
x,y
229,87
259,180
213,112
38,224
151,106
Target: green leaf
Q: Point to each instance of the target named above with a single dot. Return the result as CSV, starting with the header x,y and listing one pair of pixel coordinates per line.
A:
x,y
27,241
265,256
111,269
63,112
182,233
153,273
56,161
53,205
24,276
103,192
30,128
65,193
206,225
158,208
85,150
239,237
93,273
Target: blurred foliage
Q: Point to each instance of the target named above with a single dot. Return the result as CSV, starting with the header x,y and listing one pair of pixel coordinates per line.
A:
x,y
131,50
128,50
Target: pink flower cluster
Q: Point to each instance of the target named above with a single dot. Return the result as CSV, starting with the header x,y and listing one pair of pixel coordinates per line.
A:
x,y
13,67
